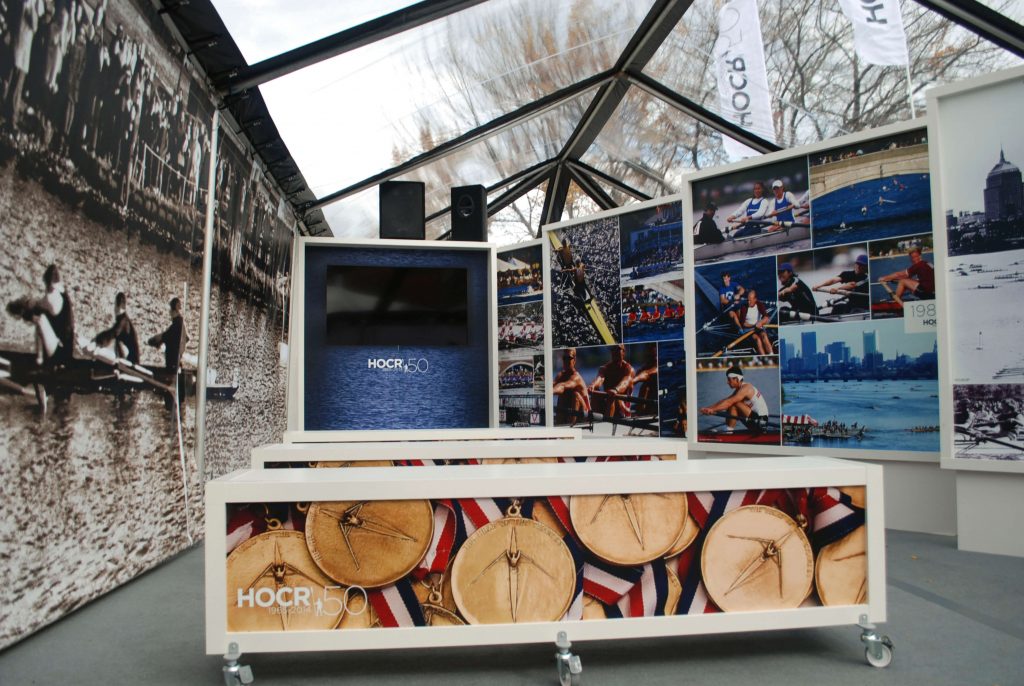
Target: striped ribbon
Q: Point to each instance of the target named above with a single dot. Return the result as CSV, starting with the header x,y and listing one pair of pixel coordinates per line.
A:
x,y
647,597
396,605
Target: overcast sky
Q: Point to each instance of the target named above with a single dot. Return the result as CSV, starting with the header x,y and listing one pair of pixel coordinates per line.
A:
x,y
890,338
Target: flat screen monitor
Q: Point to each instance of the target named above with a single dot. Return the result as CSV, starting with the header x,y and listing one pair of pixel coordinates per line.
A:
x,y
394,306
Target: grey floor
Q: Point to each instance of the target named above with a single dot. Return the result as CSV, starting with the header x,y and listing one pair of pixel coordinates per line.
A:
x,y
955,618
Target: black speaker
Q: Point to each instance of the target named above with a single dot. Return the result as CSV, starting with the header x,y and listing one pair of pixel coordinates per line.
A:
x,y
402,210
469,213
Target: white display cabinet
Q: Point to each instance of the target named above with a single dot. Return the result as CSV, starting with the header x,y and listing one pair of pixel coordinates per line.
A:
x,y
540,448
640,483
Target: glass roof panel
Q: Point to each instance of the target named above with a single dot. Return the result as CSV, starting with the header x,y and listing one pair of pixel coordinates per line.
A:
x,y
818,88
500,155
359,113
578,203
269,27
518,221
651,146
357,216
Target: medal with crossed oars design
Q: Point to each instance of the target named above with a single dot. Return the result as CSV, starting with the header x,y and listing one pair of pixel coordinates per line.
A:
x,y
757,558
369,543
513,570
629,529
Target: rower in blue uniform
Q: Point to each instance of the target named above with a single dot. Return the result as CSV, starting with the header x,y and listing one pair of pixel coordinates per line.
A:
x,y
782,205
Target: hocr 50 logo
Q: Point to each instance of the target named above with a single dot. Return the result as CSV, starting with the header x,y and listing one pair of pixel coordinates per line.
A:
x,y
398,364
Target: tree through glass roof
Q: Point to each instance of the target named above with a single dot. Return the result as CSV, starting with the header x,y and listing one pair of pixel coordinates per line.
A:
x,y
564,105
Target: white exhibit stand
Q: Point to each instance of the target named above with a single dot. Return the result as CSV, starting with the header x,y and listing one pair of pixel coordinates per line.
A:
x,y
539,480
989,512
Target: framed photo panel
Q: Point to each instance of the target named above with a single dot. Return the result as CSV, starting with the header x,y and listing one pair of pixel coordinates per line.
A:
x,y
979,238
615,293
813,306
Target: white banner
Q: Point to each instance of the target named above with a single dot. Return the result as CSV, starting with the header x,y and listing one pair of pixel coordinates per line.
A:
x,y
878,35
742,77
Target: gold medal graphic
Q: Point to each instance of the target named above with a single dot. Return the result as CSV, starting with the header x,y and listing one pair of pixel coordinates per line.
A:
x,y
841,575
858,495
689,534
439,584
274,585
336,464
543,514
757,558
513,570
369,543
675,587
592,608
629,529
435,605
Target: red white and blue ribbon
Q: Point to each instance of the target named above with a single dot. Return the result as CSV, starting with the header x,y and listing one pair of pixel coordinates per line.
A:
x,y
647,597
397,605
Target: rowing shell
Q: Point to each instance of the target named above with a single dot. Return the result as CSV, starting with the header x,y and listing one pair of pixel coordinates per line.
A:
x,y
595,315
710,251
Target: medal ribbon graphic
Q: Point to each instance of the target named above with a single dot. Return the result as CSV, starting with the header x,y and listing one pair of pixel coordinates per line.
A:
x,y
832,515
397,605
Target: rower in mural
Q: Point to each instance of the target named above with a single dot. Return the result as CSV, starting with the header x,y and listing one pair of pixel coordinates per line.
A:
x,y
918,278
745,404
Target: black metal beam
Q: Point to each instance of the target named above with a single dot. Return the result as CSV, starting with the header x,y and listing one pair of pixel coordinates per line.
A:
x,y
554,198
325,48
700,113
541,167
653,30
591,188
505,121
991,25
618,184
519,190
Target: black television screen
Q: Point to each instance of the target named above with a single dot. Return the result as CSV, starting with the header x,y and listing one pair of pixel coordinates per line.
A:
x,y
385,306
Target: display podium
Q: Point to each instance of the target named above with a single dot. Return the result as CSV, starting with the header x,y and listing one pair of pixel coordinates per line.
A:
x,y
431,556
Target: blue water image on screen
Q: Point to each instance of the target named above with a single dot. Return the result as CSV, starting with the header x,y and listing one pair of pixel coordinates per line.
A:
x,y
430,382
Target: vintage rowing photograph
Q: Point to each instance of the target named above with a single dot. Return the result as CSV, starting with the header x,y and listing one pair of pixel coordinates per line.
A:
x,y
104,169
865,385
520,276
902,271
653,311
520,329
983,196
608,390
738,400
758,211
586,306
988,421
737,312
652,244
871,190
672,389
824,286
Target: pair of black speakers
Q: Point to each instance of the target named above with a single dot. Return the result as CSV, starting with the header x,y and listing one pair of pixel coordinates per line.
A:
x,y
402,211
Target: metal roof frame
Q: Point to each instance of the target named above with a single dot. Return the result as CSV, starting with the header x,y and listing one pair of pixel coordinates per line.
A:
x,y
209,45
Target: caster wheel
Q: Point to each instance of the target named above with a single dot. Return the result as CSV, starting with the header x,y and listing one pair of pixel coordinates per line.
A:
x,y
884,660
567,679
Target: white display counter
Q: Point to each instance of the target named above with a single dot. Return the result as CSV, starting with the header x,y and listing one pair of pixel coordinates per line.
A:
x,y
716,492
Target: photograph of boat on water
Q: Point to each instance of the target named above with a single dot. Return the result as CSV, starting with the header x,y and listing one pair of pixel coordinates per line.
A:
x,y
520,329
610,390
822,286
871,190
902,271
866,385
104,164
672,389
520,275
653,311
757,211
652,244
586,305
988,421
738,400
736,307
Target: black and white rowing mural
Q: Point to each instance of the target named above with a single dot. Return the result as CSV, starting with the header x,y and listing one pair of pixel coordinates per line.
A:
x,y
104,162
983,207
617,322
835,313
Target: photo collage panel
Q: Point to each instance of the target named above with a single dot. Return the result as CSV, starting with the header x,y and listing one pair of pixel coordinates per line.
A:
x,y
521,337
617,323
815,301
983,192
